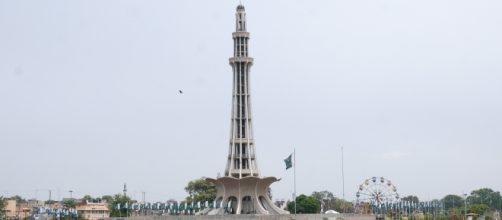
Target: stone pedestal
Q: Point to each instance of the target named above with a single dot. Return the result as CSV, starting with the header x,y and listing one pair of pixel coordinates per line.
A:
x,y
247,195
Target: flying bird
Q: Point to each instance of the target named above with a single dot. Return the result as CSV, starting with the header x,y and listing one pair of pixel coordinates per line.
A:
x,y
181,92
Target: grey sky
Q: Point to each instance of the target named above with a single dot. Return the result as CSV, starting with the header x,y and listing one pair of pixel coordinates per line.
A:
x,y
88,94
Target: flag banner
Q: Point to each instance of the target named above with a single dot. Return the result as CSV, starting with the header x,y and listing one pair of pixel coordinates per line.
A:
x,y
289,162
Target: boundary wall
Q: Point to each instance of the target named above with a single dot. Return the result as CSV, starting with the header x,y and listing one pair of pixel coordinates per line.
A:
x,y
253,217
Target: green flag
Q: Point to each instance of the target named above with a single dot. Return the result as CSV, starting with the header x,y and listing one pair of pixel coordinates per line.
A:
x,y
289,162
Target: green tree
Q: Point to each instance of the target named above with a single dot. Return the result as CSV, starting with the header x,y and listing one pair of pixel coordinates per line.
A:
x,y
117,201
107,198
87,198
200,190
485,196
344,206
478,208
329,201
50,202
305,205
326,198
452,201
69,203
18,199
3,204
411,198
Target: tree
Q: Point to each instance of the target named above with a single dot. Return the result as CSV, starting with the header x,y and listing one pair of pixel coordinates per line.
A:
x,y
305,205
3,203
411,198
87,198
344,206
118,205
485,196
452,201
200,190
50,202
326,198
329,201
69,203
18,199
107,198
478,209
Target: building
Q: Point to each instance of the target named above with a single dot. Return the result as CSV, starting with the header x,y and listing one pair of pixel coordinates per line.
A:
x,y
93,211
11,209
16,210
242,190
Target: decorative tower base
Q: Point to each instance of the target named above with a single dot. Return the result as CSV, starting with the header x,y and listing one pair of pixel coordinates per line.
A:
x,y
242,190
247,195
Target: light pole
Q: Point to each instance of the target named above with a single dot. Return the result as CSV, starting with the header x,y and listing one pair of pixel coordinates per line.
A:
x,y
465,206
71,194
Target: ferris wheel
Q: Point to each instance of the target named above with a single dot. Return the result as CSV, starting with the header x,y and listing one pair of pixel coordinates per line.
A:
x,y
376,191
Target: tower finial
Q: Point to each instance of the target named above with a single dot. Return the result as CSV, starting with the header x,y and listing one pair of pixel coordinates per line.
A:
x,y
125,189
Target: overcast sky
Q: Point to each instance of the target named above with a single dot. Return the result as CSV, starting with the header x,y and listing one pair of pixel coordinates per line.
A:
x,y
89,94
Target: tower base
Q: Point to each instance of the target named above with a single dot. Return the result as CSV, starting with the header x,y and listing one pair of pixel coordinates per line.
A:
x,y
247,195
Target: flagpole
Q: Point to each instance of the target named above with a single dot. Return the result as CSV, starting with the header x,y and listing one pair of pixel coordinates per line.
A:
x,y
343,184
294,166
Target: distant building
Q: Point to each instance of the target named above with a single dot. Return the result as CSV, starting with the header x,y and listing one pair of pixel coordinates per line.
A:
x,y
93,210
16,210
56,205
35,203
23,210
11,209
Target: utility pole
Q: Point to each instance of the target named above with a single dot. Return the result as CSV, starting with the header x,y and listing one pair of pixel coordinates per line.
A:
x,y
343,185
50,195
294,169
465,206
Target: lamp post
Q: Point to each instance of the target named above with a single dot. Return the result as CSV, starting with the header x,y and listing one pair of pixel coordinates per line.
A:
x,y
465,206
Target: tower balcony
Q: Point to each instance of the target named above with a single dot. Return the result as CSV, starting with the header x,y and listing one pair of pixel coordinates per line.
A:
x,y
246,172
244,156
233,60
241,118
240,34
241,140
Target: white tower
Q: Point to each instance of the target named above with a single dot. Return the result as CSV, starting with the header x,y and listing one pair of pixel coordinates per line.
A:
x,y
241,154
242,190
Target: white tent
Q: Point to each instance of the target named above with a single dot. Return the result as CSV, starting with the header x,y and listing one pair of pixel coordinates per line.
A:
x,y
331,212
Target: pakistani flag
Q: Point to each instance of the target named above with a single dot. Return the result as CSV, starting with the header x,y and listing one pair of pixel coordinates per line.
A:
x,y
289,162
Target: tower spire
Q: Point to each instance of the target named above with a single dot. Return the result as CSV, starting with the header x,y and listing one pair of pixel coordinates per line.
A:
x,y
241,154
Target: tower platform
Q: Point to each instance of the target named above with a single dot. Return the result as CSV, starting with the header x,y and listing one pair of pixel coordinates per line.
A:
x,y
247,195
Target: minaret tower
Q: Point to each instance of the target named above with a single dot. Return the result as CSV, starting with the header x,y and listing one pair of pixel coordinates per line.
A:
x,y
242,190
241,154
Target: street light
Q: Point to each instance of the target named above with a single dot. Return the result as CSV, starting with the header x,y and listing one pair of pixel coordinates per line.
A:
x,y
465,206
